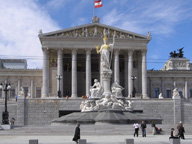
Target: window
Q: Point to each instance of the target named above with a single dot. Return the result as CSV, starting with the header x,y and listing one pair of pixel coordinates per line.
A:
x,y
168,93
190,93
12,92
38,92
0,93
156,92
25,91
180,92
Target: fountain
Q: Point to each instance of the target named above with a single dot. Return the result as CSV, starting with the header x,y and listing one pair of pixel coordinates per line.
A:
x,y
106,104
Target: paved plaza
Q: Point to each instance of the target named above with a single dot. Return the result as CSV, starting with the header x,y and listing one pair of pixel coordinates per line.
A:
x,y
101,134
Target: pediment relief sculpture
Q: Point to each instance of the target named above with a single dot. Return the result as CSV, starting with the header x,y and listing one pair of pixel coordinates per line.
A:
x,y
94,31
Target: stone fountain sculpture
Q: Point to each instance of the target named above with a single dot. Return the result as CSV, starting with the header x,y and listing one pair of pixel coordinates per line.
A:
x,y
106,104
106,95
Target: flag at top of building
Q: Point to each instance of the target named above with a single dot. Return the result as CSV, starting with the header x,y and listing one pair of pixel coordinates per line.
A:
x,y
98,3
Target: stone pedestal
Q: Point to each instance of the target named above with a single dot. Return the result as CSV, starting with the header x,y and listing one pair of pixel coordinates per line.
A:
x,y
174,141
106,77
129,141
82,141
5,127
33,141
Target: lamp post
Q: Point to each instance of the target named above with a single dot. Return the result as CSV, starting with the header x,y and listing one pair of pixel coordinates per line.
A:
x,y
59,77
5,114
134,90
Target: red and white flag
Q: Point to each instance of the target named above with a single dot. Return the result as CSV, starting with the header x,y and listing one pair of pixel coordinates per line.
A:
x,y
98,4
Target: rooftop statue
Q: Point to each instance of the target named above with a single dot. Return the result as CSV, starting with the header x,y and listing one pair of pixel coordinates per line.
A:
x,y
177,55
21,92
175,94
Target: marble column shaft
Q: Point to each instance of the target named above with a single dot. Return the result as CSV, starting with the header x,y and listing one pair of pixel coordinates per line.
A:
x,y
88,72
130,72
101,80
162,87
18,86
116,67
45,73
186,89
144,74
32,96
74,74
60,70
126,75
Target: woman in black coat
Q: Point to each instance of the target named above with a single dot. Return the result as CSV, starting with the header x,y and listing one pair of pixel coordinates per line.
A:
x,y
77,134
181,131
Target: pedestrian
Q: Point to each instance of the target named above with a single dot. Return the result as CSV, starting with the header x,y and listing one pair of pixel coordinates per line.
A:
x,y
77,133
154,129
143,128
136,126
181,130
16,97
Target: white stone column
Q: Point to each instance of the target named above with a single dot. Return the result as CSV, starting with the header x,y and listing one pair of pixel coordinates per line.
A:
x,y
144,75
162,87
60,70
88,72
74,74
18,85
116,66
130,72
32,96
186,89
174,83
45,73
101,80
126,75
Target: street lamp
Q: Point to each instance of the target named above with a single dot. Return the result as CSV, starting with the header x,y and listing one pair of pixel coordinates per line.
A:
x,y
134,90
5,114
59,77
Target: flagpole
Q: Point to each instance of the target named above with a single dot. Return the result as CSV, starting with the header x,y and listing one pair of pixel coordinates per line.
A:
x,y
93,8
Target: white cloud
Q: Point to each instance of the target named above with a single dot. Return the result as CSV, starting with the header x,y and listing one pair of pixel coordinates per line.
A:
x,y
156,17
56,4
20,22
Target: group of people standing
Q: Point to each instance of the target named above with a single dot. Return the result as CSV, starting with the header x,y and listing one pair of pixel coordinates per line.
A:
x,y
155,130
143,129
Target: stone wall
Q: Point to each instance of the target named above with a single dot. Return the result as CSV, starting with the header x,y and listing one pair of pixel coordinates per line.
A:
x,y
42,111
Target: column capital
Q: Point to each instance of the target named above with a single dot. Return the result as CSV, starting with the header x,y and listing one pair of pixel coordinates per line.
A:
x,y
143,51
88,51
60,51
116,51
130,52
74,51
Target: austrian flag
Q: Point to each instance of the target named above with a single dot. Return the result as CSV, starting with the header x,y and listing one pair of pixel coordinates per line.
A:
x,y
98,4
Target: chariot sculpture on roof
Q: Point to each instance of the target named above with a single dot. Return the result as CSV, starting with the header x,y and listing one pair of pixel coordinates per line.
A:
x,y
177,55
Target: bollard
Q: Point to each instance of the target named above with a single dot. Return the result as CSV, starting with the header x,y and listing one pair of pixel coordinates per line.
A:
x,y
82,141
129,141
174,141
33,141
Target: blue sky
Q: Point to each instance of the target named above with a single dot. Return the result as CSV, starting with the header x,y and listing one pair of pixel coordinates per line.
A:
x,y
168,21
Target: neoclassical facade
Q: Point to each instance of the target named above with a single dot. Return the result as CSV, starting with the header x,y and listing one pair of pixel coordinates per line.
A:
x,y
72,54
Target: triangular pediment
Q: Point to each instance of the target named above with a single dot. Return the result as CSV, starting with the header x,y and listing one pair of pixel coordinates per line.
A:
x,y
94,30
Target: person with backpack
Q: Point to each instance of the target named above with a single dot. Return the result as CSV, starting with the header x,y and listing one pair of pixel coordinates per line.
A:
x,y
143,128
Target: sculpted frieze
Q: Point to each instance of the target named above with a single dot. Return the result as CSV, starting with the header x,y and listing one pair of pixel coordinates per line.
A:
x,y
93,31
